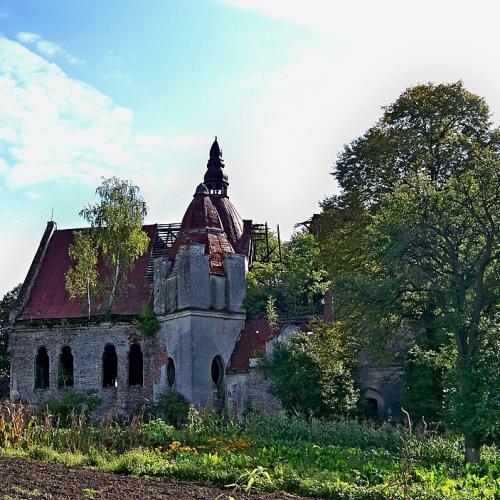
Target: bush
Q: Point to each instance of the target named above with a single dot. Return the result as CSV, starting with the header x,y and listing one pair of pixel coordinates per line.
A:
x,y
313,373
73,402
208,423
172,407
342,432
156,433
148,323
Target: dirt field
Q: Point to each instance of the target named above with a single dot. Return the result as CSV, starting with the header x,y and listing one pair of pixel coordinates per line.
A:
x,y
28,479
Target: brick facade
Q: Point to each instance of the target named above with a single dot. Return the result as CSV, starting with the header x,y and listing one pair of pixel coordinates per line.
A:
x,y
87,347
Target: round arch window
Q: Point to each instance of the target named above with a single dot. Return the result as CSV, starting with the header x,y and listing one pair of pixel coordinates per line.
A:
x,y
170,372
217,370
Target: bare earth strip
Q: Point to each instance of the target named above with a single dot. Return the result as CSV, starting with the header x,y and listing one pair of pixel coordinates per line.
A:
x,y
28,479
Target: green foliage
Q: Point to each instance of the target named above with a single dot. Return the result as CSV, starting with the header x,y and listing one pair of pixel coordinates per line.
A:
x,y
247,480
261,284
424,393
271,312
117,223
148,323
73,402
414,235
342,459
81,280
6,304
172,407
313,372
64,379
430,130
297,284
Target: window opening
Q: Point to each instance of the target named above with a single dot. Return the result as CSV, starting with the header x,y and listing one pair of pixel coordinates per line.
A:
x,y
135,376
42,369
372,408
109,366
217,371
170,372
65,374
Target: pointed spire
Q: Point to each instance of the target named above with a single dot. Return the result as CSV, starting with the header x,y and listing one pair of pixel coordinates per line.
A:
x,y
215,151
215,179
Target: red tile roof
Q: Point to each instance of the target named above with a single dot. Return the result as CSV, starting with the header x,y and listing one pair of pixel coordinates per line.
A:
x,y
49,299
213,222
251,343
238,231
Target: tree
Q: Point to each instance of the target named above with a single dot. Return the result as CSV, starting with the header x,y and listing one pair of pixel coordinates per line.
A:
x,y
312,372
6,304
415,233
297,284
82,279
117,223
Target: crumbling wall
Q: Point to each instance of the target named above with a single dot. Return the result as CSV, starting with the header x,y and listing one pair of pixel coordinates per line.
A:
x,y
250,391
87,345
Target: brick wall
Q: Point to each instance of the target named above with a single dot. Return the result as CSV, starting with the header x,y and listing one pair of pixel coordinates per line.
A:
x,y
87,347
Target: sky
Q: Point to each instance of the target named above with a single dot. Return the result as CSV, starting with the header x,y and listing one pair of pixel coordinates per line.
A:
x,y
138,89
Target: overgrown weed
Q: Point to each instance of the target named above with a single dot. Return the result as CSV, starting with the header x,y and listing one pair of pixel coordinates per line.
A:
x,y
340,459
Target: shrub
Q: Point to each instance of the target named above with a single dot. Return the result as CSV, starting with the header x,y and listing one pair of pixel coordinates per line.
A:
x,y
172,407
73,402
148,323
208,423
313,372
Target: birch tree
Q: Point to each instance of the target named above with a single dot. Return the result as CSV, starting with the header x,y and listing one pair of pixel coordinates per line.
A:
x,y
81,280
117,224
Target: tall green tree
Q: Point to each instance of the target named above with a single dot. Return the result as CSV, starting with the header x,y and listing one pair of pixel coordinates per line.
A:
x,y
117,222
415,234
297,283
81,280
6,304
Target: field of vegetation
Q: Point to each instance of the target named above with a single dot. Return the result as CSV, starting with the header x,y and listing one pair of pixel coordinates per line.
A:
x,y
326,459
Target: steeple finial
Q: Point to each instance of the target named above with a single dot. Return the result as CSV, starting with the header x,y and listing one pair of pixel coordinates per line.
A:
x,y
215,151
215,179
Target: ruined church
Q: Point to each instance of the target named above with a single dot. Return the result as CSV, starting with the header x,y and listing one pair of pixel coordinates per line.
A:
x,y
193,277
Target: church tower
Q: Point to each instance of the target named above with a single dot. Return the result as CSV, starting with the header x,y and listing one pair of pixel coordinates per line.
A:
x,y
199,290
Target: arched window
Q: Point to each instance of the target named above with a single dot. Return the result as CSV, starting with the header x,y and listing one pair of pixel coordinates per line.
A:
x,y
65,372
217,371
135,365
371,408
42,369
109,366
374,404
170,372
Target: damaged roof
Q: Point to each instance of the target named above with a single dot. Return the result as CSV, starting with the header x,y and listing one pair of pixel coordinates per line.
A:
x,y
251,343
48,298
213,222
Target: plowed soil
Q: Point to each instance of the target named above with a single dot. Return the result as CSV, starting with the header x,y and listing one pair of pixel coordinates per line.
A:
x,y
28,479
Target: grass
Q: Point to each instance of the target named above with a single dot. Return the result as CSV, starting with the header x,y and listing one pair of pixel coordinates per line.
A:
x,y
342,459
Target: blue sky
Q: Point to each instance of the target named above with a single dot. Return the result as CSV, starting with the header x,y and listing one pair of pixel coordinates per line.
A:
x,y
138,89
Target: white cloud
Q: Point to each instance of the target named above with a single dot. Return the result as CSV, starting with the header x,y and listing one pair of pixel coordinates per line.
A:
x,y
368,22
334,88
27,37
15,257
45,47
3,167
54,128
